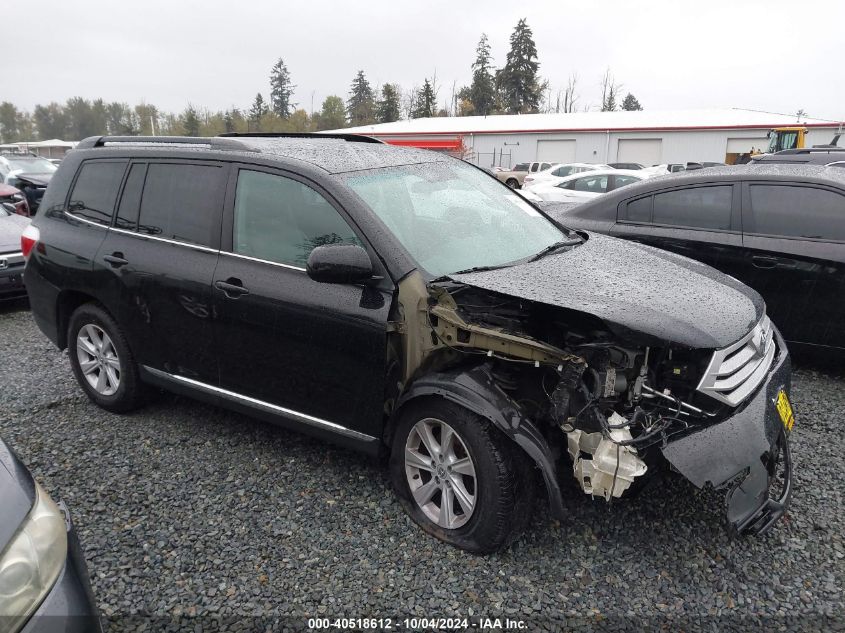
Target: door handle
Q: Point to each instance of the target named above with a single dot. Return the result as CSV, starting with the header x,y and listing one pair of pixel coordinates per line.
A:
x,y
761,261
115,260
232,288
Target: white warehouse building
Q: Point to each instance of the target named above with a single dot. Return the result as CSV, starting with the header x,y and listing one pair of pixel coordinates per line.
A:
x,y
649,137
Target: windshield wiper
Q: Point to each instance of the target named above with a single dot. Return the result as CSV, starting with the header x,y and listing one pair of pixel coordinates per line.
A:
x,y
480,269
553,247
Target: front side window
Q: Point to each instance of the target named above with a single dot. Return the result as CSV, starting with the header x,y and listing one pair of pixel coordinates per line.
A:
x,y
796,211
450,217
696,207
183,202
95,190
282,220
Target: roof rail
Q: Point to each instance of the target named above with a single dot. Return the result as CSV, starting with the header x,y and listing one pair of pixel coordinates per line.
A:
x,y
349,138
212,142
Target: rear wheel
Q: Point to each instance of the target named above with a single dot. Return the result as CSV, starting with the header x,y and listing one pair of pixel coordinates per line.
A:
x,y
101,360
459,478
513,183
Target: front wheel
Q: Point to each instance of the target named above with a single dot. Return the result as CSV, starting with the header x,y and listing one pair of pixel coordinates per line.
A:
x,y
459,478
102,361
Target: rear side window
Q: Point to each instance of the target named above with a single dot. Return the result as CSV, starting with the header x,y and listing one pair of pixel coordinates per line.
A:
x,y
621,181
95,190
282,220
183,202
795,211
696,207
130,200
638,210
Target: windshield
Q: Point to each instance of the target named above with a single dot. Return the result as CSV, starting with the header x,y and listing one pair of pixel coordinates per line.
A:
x,y
32,165
452,217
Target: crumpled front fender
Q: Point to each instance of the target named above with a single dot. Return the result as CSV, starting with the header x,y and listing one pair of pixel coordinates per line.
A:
x,y
742,452
475,389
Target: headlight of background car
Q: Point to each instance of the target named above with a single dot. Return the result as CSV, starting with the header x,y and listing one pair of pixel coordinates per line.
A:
x,y
32,561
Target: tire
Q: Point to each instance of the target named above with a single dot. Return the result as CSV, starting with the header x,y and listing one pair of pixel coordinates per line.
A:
x,y
501,486
513,183
110,374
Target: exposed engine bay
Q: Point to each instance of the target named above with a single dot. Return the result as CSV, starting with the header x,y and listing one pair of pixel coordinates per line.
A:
x,y
610,402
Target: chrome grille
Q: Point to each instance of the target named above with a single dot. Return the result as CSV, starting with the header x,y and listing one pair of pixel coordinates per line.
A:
x,y
736,371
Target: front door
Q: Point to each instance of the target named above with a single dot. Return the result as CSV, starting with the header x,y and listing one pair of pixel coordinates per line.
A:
x,y
312,348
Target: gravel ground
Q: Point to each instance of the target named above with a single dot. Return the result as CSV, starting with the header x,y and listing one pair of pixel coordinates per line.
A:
x,y
207,519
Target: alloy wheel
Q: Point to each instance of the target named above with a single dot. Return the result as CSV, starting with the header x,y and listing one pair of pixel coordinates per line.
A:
x,y
440,473
98,359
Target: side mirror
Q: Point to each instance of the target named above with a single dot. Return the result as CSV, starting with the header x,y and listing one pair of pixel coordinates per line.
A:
x,y
339,264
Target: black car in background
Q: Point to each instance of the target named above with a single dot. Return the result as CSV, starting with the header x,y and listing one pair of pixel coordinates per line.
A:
x,y
403,303
44,586
778,228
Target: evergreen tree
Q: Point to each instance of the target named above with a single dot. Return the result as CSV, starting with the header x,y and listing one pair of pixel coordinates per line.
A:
x,y
228,122
630,102
388,108
281,90
609,92
147,117
361,105
425,102
190,122
333,114
9,119
482,92
517,82
258,109
50,121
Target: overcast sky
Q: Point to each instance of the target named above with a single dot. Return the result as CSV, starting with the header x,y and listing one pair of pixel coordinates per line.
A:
x,y
769,55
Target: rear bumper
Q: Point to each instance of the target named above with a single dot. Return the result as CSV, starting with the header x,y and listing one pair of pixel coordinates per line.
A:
x,y
70,605
747,454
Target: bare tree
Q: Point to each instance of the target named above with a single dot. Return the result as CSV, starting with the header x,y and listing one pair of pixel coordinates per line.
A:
x,y
609,92
570,97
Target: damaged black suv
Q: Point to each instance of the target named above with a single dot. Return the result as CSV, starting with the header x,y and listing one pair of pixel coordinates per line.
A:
x,y
403,302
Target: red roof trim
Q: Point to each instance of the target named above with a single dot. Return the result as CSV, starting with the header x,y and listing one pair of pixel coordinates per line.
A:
x,y
451,144
604,129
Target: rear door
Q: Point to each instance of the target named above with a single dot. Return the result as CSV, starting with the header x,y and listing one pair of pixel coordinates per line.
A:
x,y
794,234
312,351
700,221
158,260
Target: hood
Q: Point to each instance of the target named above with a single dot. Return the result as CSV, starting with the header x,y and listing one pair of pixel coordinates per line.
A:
x,y
17,493
11,227
634,287
39,180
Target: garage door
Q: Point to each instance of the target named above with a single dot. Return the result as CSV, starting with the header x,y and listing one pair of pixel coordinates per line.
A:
x,y
744,145
556,151
645,151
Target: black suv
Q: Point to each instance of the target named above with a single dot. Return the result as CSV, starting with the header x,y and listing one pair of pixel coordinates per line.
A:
x,y
404,302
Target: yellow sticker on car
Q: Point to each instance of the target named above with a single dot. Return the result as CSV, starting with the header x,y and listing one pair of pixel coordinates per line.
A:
x,y
785,410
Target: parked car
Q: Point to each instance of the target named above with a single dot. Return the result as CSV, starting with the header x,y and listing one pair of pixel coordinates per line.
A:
x,y
702,164
13,200
44,584
627,166
804,156
29,173
581,187
513,178
558,172
12,262
401,302
778,228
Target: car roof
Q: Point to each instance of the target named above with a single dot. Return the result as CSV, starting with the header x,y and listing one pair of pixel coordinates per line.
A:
x,y
333,154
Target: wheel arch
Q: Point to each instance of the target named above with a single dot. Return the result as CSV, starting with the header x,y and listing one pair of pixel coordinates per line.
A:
x,y
475,389
67,302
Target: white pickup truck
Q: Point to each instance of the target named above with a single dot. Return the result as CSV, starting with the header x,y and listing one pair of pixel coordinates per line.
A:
x,y
513,177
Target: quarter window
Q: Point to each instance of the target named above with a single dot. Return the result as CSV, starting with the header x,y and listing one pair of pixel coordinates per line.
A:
x,y
183,202
639,210
95,191
696,207
282,220
795,211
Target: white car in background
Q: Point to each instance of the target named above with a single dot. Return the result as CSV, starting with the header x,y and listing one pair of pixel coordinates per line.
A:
x,y
585,186
558,172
